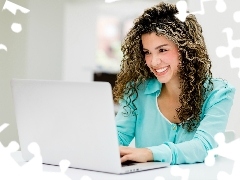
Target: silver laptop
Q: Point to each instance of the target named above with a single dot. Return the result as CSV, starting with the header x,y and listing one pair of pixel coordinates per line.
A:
x,y
73,121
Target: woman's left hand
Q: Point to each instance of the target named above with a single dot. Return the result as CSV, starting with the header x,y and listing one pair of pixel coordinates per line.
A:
x,y
135,154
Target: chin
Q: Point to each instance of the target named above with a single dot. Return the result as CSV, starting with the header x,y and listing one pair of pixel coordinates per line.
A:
x,y
162,80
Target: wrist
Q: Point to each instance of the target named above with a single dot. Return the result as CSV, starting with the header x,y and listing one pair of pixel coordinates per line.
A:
x,y
149,154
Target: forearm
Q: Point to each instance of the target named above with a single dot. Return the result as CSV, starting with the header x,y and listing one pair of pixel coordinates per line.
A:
x,y
187,152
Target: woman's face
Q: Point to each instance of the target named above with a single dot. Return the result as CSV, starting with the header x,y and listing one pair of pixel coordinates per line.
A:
x,y
161,57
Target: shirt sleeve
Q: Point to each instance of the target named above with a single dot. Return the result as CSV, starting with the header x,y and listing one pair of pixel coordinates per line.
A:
x,y
215,115
126,122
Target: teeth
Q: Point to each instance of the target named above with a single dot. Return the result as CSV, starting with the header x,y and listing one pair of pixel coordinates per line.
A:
x,y
162,69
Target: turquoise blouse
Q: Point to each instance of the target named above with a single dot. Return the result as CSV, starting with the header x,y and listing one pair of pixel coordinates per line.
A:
x,y
169,142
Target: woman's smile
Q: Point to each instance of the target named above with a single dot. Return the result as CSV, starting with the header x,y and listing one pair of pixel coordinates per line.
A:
x,y
162,71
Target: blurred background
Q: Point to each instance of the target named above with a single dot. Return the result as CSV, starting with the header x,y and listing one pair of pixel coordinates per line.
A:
x,y
79,40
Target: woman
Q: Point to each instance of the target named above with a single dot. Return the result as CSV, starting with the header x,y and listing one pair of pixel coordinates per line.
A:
x,y
169,101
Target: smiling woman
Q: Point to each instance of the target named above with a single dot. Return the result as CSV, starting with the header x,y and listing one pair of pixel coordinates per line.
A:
x,y
169,101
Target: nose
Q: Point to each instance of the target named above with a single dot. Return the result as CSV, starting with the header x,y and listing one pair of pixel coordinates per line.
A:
x,y
156,60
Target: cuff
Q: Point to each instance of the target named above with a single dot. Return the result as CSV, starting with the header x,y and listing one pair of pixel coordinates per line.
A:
x,y
161,153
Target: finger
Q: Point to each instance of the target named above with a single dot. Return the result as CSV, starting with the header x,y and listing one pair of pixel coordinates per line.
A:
x,y
125,158
125,150
124,147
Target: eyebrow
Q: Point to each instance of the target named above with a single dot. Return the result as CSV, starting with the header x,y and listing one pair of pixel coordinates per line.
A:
x,y
158,47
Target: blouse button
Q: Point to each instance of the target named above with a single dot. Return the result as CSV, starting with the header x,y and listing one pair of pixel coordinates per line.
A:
x,y
174,127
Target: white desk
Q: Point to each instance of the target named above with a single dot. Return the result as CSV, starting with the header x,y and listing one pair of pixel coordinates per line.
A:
x,y
197,171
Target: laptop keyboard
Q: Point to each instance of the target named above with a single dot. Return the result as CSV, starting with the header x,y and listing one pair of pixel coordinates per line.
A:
x,y
128,163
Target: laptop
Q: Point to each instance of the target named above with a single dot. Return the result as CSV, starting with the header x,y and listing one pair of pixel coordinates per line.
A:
x,y
73,121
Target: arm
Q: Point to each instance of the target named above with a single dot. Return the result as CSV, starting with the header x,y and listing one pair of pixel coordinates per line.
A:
x,y
125,124
215,114
126,132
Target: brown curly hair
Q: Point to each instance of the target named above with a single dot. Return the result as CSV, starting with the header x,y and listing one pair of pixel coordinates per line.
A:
x,y
194,69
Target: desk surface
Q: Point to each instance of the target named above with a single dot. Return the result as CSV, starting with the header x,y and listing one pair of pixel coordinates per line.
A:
x,y
197,171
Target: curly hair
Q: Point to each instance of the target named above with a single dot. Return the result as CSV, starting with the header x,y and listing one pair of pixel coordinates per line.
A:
x,y
194,67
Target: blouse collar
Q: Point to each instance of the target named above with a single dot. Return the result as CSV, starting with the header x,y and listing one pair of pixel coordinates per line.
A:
x,y
152,86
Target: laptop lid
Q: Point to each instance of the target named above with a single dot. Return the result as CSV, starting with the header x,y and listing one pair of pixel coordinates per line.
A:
x,y
69,120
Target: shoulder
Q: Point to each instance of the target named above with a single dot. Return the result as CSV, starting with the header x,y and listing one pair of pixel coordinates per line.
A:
x,y
219,83
221,86
222,90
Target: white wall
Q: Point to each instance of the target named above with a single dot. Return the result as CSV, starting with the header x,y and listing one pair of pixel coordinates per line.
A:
x,y
34,53
79,40
12,64
45,39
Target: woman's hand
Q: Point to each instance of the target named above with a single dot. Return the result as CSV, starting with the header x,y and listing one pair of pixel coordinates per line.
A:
x,y
135,154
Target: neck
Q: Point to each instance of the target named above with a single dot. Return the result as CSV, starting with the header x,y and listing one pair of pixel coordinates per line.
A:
x,y
171,89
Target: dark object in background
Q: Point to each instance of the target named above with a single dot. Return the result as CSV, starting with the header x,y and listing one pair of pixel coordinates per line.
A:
x,y
107,77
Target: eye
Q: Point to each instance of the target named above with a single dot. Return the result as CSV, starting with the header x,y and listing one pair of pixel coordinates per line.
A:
x,y
162,50
146,53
